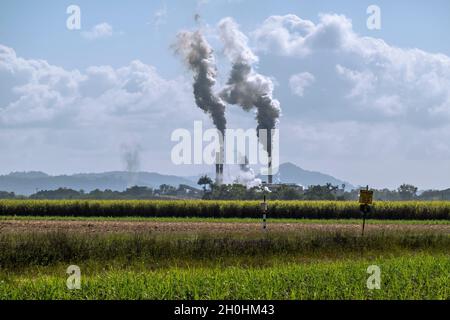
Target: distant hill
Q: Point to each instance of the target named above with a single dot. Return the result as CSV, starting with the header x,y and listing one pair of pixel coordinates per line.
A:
x,y
290,173
27,183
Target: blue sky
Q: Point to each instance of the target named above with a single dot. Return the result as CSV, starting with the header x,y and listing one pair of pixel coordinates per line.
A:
x,y
36,29
370,84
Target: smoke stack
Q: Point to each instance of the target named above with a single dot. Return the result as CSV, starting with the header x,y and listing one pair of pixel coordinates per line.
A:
x,y
217,172
270,177
219,168
222,160
246,87
199,58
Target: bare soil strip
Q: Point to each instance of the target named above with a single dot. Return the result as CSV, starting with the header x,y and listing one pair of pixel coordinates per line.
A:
x,y
13,226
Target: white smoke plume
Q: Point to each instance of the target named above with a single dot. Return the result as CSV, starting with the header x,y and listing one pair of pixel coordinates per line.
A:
x,y
246,87
131,157
199,58
247,176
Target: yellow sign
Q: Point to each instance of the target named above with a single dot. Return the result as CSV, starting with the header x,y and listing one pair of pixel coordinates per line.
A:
x,y
264,206
365,196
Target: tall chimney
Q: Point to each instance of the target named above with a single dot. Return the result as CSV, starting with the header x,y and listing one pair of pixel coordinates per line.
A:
x,y
219,168
270,177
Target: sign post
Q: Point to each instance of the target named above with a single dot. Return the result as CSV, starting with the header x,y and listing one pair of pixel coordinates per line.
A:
x,y
264,210
365,202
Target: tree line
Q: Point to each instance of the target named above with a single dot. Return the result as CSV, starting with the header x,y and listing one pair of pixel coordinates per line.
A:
x,y
212,191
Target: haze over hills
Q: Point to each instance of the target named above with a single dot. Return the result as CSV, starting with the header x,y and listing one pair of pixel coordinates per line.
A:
x,y
27,183
290,173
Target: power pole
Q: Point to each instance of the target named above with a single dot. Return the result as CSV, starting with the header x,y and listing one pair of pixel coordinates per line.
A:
x,y
264,208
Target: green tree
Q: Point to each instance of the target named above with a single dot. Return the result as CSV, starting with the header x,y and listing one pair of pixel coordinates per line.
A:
x,y
7,195
205,181
326,192
407,192
286,193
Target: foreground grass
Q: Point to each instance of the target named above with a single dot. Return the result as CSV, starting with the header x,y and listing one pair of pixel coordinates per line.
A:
x,y
22,251
222,220
419,276
288,265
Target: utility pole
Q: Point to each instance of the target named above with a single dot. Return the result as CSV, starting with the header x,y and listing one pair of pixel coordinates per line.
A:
x,y
264,208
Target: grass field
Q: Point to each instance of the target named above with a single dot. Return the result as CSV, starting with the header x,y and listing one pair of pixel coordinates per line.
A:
x,y
224,220
419,276
140,257
408,210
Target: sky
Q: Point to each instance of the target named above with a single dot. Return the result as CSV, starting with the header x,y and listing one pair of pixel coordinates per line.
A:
x,y
366,106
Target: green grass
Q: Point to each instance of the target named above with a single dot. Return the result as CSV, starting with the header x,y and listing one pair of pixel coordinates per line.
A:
x,y
412,210
219,220
22,251
323,264
419,276
319,265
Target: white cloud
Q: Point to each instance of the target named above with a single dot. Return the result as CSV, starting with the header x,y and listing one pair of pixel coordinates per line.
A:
x,y
410,85
102,30
381,154
45,95
299,82
284,35
363,82
61,121
291,35
376,113
390,105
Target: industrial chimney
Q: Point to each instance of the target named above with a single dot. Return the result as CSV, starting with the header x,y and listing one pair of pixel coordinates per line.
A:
x,y
219,167
270,176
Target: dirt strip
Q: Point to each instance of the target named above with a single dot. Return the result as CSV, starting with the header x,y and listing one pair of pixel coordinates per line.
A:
x,y
21,226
